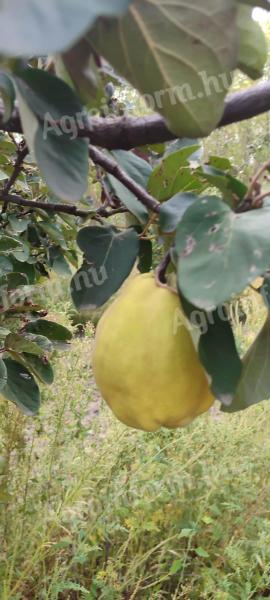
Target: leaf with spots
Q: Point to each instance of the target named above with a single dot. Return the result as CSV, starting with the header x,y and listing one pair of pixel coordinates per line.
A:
x,y
173,175
218,253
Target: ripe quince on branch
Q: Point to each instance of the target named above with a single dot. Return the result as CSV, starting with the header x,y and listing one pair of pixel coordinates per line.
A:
x,y
145,363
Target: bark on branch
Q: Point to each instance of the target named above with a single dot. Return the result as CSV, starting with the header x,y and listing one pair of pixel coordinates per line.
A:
x,y
128,132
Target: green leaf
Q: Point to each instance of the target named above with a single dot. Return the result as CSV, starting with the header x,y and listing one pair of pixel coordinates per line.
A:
x,y
174,175
129,200
58,262
54,232
62,157
22,254
40,367
261,3
201,552
3,333
7,92
109,256
218,354
53,331
173,210
220,162
7,148
137,168
14,280
177,565
254,386
265,291
216,349
181,143
42,28
6,266
8,243
43,342
253,45
21,388
214,176
23,267
47,93
185,47
3,375
225,182
19,225
77,67
208,239
145,256
3,175
18,343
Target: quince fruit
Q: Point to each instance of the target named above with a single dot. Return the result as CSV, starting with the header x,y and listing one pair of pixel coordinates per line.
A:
x,y
144,361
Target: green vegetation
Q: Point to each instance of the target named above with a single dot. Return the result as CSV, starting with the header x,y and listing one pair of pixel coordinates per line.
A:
x,y
91,509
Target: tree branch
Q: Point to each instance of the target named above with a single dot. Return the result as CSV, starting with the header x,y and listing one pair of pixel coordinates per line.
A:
x,y
59,208
22,153
130,132
111,166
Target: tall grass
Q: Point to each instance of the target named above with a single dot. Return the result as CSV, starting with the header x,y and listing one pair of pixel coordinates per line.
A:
x,y
93,510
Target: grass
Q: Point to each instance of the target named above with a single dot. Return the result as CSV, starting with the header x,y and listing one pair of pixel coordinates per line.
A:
x,y
93,510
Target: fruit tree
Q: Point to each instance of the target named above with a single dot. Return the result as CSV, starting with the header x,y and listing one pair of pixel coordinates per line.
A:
x,y
100,188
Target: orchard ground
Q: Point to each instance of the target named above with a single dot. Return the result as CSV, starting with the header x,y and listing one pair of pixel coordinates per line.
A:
x,y
93,510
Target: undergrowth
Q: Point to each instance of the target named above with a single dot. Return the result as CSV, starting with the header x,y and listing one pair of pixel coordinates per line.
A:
x,y
93,510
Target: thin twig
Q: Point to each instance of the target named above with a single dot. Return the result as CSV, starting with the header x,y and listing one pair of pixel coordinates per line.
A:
x,y
59,208
162,268
256,178
21,154
111,166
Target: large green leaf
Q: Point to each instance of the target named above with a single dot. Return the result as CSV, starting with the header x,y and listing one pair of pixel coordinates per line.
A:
x,y
180,55
61,156
220,252
253,45
254,385
21,388
34,27
109,255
